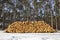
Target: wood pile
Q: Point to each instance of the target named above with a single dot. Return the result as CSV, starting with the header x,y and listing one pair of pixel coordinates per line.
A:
x,y
30,27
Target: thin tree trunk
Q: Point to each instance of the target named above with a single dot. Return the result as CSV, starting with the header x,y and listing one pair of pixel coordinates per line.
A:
x,y
51,19
56,23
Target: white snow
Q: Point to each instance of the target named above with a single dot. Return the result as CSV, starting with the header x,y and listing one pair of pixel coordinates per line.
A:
x,y
29,36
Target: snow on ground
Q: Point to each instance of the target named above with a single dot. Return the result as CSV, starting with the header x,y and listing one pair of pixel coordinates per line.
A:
x,y
29,36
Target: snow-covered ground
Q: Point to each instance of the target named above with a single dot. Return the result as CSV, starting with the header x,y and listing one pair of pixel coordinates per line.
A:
x,y
29,36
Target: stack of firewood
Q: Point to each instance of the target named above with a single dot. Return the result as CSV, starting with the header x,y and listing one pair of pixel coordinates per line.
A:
x,y
29,27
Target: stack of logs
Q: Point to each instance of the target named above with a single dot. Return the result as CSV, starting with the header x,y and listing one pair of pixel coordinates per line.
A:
x,y
29,27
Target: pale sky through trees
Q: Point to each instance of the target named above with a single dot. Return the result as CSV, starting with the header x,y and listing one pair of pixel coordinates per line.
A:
x,y
15,2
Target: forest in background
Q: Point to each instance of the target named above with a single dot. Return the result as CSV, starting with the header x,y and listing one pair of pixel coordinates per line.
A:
x,y
30,10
